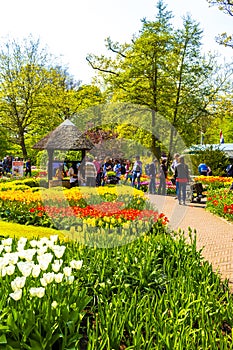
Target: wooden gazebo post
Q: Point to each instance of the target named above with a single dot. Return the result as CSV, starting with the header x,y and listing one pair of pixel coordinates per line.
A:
x,y
50,163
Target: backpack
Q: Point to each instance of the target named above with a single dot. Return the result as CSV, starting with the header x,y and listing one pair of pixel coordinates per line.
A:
x,y
123,170
147,169
230,171
138,168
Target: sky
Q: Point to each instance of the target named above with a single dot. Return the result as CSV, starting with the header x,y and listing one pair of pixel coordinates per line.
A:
x,y
73,28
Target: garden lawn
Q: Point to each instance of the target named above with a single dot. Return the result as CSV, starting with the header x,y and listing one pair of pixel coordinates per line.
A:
x,y
9,229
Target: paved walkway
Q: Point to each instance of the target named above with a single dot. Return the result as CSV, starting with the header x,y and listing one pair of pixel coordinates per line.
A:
x,y
214,234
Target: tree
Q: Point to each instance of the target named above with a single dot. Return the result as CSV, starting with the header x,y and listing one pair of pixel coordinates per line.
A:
x,y
36,93
164,70
227,7
24,76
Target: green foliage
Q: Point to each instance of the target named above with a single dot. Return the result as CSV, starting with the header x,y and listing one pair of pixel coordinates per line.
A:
x,y
214,158
137,296
163,69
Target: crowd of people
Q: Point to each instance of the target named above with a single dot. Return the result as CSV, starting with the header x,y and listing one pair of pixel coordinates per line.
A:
x,y
96,172
10,165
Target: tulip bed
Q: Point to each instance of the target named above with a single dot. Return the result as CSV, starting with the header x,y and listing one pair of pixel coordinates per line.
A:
x,y
154,293
89,214
219,197
220,202
214,182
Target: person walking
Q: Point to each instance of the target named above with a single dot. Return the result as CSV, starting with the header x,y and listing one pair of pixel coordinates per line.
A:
x,y
73,174
97,165
28,166
152,173
182,176
173,168
128,170
90,173
162,177
136,172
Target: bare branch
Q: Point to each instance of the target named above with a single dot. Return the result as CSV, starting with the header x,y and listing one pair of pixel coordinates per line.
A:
x,y
99,68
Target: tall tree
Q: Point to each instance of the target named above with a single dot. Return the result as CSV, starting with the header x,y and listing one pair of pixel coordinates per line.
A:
x,y
36,93
163,69
24,76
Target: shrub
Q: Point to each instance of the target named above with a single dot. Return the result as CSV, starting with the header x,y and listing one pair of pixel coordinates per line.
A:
x,y
214,158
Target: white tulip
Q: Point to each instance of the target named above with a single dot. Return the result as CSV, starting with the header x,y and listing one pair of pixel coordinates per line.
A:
x,y
45,257
37,292
27,254
7,248
10,270
1,248
54,238
43,241
58,277
33,243
48,277
54,304
70,279
25,268
44,265
43,282
56,267
67,271
36,271
3,272
17,295
20,247
7,242
59,251
42,250
22,240
12,258
18,283
76,264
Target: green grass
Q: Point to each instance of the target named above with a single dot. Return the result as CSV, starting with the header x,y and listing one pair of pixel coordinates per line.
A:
x,y
9,229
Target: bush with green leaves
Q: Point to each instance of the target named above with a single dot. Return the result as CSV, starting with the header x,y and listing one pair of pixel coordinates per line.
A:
x,y
214,158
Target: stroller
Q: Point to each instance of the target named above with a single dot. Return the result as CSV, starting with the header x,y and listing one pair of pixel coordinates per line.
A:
x,y
112,180
194,191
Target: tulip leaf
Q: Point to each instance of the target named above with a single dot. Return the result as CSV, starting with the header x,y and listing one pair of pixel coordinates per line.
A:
x,y
3,339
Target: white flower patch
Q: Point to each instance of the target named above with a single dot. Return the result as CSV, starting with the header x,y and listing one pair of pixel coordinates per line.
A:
x,y
35,262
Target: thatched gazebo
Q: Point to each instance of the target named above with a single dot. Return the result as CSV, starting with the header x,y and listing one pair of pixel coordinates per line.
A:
x,y
66,137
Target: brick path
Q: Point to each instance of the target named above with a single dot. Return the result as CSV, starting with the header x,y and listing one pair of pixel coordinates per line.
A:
x,y
214,234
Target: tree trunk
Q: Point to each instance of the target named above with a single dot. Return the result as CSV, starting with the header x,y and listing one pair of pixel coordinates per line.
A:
x,y
22,144
155,143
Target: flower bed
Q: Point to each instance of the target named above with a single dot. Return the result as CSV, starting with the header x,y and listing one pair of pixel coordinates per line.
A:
x,y
63,295
220,202
214,182
118,212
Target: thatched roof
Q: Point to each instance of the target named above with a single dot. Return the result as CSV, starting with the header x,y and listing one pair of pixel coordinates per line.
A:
x,y
65,137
